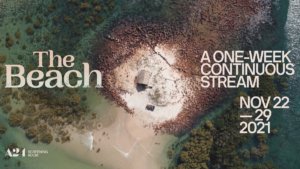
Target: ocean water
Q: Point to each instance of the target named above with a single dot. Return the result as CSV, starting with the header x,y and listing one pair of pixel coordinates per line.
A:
x,y
285,147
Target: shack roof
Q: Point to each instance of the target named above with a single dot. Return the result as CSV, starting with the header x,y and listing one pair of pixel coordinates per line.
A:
x,y
143,77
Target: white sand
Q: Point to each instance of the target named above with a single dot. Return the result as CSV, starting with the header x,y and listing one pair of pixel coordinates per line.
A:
x,y
168,85
87,139
126,143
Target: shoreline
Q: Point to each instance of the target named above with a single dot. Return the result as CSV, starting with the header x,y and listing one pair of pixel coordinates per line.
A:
x,y
121,65
125,139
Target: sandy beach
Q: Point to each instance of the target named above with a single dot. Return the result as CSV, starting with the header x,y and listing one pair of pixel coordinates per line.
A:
x,y
167,87
124,143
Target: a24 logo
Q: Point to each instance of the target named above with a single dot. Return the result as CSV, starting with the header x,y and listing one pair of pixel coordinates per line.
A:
x,y
16,152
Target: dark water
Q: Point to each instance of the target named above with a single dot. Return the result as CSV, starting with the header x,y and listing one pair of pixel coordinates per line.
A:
x,y
285,147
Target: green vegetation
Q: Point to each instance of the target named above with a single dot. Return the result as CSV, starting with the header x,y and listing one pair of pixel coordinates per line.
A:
x,y
267,87
29,31
37,23
41,114
70,20
15,119
2,58
265,165
9,41
2,129
18,34
27,122
46,137
196,151
65,20
31,133
218,145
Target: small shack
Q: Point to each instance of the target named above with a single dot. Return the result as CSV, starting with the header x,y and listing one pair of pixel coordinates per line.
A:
x,y
143,78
